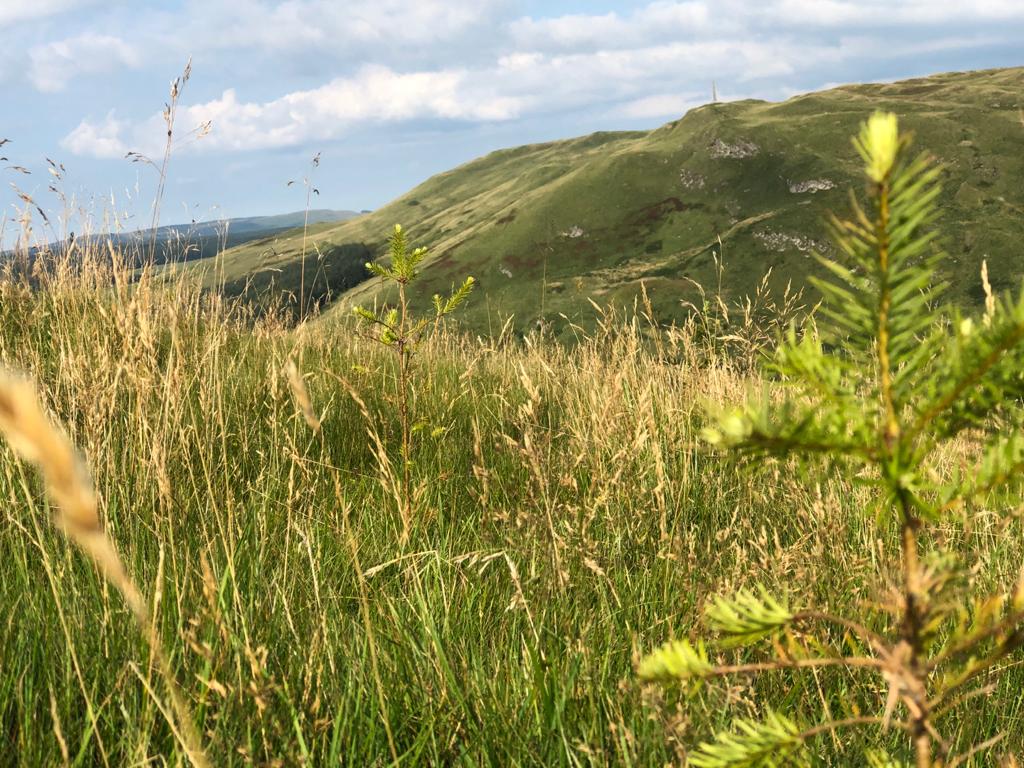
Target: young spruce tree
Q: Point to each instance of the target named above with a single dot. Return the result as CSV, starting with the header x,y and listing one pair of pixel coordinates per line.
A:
x,y
396,328
896,382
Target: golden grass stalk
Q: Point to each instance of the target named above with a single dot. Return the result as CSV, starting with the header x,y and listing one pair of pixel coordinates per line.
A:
x,y
37,440
301,395
990,298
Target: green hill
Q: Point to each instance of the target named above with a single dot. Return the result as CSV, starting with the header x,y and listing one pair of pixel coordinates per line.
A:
x,y
545,228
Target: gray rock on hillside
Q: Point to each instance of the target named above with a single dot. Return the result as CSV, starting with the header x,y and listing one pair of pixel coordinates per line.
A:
x,y
738,150
811,185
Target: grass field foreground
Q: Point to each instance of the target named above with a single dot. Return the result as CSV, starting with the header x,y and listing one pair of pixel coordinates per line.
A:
x,y
566,520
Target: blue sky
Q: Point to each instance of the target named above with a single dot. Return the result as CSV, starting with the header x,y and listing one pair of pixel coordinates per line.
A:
x,y
393,91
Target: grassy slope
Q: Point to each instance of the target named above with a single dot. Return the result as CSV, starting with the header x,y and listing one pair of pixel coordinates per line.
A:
x,y
504,218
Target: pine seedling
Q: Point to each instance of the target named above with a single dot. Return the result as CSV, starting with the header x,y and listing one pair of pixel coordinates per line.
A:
x,y
397,329
884,383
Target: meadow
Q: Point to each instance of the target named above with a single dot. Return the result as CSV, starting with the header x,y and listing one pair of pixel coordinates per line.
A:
x,y
325,544
567,519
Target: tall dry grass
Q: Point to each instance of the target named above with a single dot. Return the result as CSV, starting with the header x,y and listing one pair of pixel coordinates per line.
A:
x,y
31,434
565,515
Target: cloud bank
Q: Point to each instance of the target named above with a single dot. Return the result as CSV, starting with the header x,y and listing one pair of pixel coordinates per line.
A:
x,y
55,64
482,62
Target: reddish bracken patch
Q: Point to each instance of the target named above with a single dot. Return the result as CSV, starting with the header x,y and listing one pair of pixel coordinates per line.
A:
x,y
661,209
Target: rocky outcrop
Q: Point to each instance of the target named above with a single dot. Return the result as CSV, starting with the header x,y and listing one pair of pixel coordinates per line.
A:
x,y
690,180
785,241
811,185
738,150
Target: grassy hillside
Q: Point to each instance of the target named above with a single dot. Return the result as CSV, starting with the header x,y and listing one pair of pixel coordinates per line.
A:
x,y
546,227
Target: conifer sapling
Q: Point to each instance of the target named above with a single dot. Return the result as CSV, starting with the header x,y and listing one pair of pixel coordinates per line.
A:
x,y
396,328
886,381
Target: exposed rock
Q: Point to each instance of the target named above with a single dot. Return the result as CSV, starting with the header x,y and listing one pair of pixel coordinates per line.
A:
x,y
505,271
573,232
784,241
740,149
691,180
811,185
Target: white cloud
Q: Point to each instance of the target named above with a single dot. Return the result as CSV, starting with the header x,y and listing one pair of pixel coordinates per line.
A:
x,y
14,11
330,26
375,94
309,36
655,22
657,61
884,13
54,64
313,32
662,105
750,20
102,139
567,80
515,86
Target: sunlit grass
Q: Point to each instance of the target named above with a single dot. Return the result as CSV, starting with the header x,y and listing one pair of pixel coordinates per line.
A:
x,y
567,520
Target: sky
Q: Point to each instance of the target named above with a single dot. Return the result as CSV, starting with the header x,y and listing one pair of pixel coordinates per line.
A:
x,y
390,92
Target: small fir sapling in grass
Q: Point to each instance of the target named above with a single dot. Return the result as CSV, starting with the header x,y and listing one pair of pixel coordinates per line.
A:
x,y
398,329
887,380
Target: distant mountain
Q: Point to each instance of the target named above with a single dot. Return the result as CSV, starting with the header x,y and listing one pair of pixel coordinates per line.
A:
x,y
178,243
202,239
548,227
256,225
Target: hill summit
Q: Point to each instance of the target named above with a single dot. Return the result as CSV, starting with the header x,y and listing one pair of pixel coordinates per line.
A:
x,y
546,228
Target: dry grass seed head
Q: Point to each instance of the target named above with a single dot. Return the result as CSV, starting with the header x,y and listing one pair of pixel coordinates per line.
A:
x,y
35,438
32,436
301,395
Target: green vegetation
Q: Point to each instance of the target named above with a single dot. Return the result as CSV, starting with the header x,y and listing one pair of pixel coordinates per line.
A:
x,y
322,273
298,605
545,228
398,330
902,382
